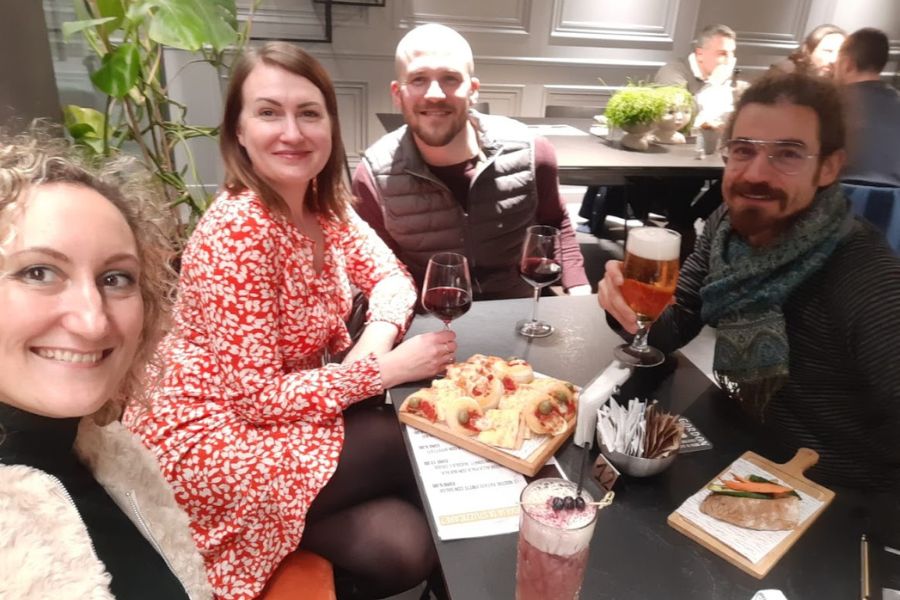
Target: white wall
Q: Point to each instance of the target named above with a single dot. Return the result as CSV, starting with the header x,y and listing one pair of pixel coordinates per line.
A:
x,y
528,53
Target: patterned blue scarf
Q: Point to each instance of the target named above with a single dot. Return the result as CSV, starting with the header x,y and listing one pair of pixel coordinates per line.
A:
x,y
746,288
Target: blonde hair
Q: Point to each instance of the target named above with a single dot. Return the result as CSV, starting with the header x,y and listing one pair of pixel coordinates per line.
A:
x,y
39,157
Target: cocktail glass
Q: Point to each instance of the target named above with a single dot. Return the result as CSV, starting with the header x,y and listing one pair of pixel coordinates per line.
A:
x,y
553,544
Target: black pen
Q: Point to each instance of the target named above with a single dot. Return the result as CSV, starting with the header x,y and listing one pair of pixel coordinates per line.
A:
x,y
864,568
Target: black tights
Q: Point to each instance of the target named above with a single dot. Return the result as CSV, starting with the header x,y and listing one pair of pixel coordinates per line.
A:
x,y
365,520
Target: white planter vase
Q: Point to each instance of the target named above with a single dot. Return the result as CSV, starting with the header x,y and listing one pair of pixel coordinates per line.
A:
x,y
635,137
667,128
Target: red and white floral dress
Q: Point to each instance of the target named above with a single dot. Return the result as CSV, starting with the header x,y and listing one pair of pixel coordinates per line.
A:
x,y
245,421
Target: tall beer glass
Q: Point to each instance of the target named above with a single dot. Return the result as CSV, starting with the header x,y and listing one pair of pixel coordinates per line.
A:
x,y
651,272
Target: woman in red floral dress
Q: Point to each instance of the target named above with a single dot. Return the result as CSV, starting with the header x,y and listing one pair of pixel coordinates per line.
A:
x,y
249,424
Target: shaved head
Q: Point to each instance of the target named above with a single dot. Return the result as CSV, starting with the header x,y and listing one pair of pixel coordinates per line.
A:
x,y
432,39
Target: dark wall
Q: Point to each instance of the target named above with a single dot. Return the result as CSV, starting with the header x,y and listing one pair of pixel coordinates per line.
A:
x,y
27,85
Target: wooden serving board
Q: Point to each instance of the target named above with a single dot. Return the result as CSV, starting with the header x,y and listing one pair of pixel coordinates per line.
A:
x,y
791,473
528,466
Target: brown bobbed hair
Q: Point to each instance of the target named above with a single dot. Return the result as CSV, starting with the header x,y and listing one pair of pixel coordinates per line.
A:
x,y
327,194
821,95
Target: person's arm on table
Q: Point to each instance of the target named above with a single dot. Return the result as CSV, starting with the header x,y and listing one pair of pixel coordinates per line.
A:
x,y
380,276
552,211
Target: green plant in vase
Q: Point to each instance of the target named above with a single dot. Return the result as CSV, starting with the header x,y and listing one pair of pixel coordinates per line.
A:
x,y
129,37
634,109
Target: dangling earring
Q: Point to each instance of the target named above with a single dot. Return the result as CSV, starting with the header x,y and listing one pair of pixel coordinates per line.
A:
x,y
315,190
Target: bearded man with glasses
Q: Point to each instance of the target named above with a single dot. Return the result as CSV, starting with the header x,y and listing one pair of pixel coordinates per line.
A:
x,y
455,180
805,298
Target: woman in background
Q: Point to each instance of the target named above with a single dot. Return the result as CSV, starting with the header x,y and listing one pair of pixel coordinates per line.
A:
x,y
817,54
84,511
258,435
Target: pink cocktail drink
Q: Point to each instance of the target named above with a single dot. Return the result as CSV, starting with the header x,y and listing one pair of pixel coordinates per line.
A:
x,y
553,544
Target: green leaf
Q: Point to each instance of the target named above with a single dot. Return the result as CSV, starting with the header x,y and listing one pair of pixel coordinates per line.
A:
x,y
192,24
70,28
119,71
85,125
111,8
83,119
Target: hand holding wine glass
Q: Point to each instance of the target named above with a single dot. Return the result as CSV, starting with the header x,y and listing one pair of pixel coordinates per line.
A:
x,y
447,291
651,273
540,266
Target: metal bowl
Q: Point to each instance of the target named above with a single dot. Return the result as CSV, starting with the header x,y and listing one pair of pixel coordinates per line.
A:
x,y
636,466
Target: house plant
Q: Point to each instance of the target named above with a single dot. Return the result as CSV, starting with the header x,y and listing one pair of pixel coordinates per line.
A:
x,y
635,109
129,37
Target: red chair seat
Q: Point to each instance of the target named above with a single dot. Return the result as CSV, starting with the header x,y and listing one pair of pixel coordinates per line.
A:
x,y
301,576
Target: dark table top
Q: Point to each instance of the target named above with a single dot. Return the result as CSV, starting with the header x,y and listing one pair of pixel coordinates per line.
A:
x,y
634,553
590,160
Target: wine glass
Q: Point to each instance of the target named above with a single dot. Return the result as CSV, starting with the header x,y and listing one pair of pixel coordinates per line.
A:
x,y
540,266
447,291
651,272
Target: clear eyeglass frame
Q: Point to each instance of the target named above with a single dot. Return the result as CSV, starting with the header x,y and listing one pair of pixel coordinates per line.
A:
x,y
787,157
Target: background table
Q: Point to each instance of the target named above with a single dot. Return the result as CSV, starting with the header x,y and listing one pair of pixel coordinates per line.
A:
x,y
592,160
634,553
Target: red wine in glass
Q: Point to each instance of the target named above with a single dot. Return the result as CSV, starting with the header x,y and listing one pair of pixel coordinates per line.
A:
x,y
540,272
447,303
447,291
540,266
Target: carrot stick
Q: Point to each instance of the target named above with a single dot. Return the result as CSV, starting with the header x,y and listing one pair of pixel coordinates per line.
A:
x,y
759,488
739,478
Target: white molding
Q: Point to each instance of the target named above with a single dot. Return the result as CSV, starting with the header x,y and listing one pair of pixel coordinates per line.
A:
x,y
577,95
516,24
326,52
789,40
510,93
286,24
355,137
593,34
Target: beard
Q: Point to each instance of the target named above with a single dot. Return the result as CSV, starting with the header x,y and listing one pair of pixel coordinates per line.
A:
x,y
750,221
439,134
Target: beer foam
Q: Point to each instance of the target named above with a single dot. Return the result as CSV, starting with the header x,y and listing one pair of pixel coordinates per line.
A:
x,y
562,532
653,243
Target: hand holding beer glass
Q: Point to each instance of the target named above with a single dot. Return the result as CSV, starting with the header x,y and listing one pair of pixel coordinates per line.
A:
x,y
651,272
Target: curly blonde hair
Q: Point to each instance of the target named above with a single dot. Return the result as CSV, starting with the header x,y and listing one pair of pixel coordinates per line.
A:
x,y
39,157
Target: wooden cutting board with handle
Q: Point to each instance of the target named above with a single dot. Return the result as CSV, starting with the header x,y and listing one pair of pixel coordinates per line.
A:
x,y
791,473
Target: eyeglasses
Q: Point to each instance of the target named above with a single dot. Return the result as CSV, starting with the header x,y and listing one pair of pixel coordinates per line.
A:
x,y
419,84
787,157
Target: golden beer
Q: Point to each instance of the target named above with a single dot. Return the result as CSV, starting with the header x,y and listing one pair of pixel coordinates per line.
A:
x,y
651,270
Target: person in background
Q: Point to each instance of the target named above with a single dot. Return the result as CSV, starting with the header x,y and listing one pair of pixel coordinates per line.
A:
x,y
817,54
455,180
804,296
261,437
874,110
708,73
84,279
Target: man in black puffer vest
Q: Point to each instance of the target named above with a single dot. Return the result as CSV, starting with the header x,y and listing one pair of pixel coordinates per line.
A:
x,y
455,180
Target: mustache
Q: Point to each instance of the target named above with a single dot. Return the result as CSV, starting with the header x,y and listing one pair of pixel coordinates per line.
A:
x,y
759,189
